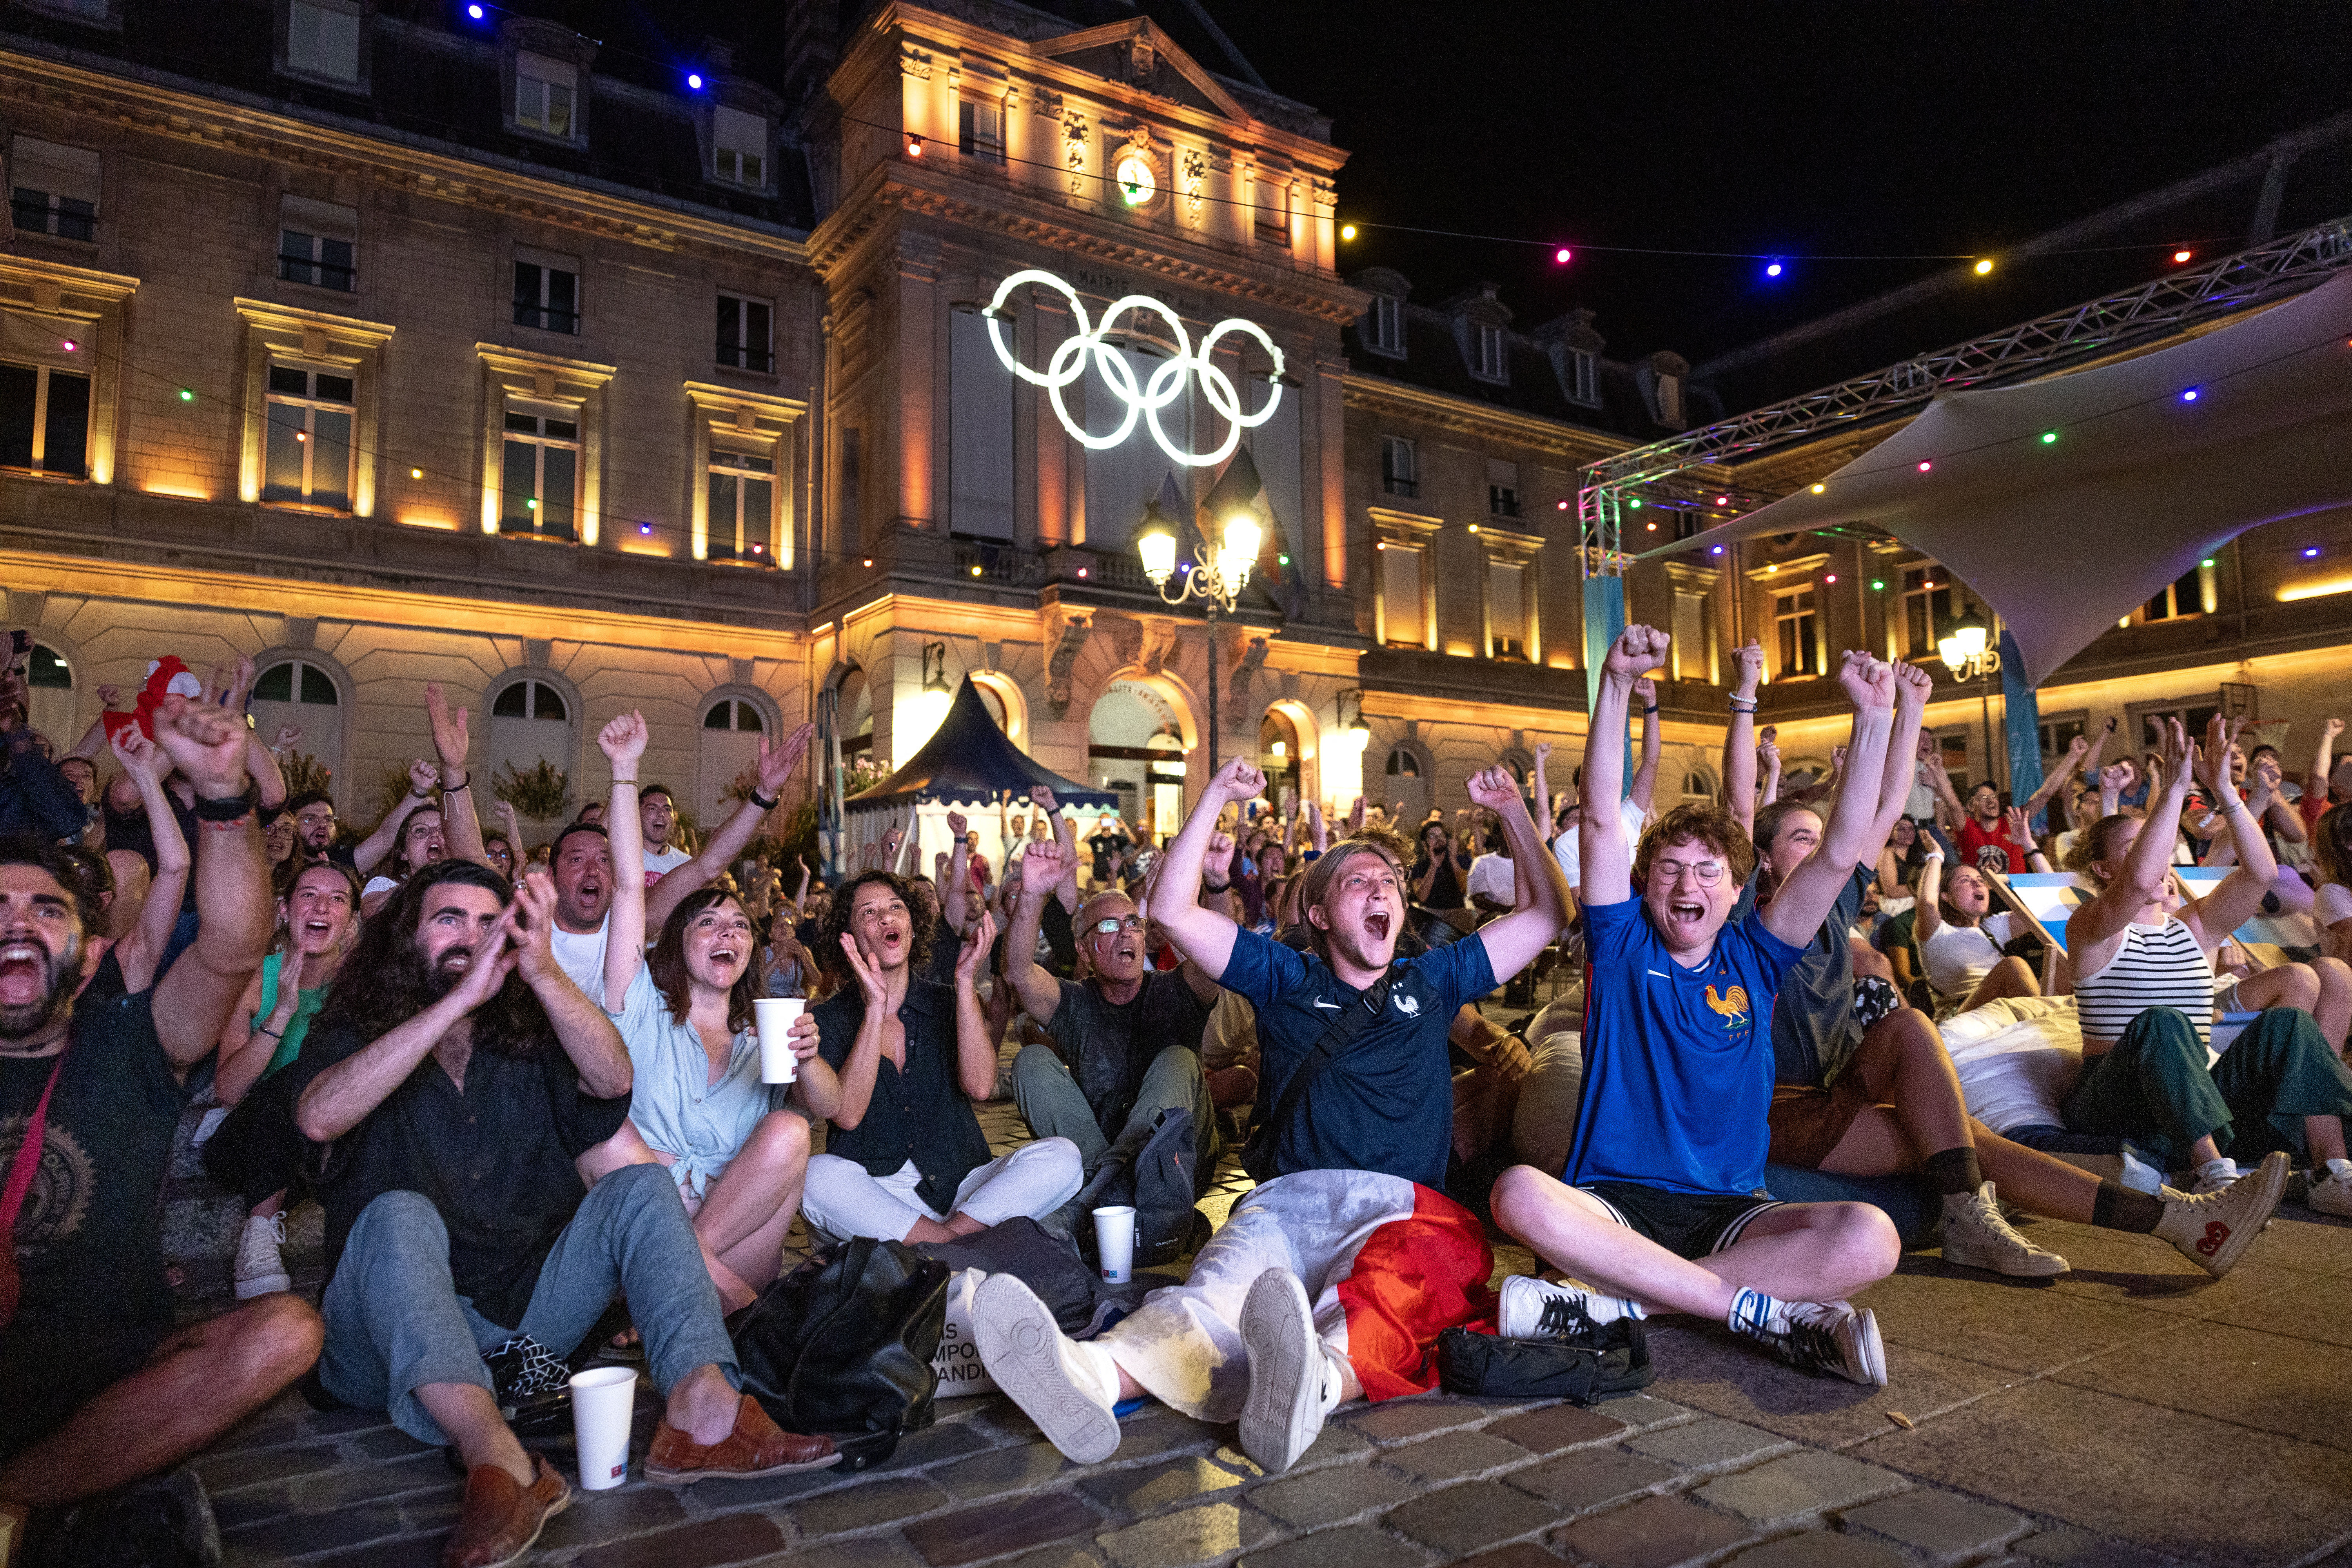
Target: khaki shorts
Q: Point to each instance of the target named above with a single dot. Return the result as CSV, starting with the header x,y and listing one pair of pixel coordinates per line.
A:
x,y
1808,1123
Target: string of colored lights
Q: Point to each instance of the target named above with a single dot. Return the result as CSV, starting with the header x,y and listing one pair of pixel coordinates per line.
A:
x,y
1776,262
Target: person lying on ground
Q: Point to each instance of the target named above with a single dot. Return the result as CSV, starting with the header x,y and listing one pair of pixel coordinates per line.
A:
x,y
461,1073
1333,1278
2144,985
97,1387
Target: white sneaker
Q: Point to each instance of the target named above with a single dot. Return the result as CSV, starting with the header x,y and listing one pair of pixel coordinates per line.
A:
x,y
1832,1337
2214,1177
260,1269
1292,1382
1976,1235
1059,1384
2211,1228
1536,1309
2331,1189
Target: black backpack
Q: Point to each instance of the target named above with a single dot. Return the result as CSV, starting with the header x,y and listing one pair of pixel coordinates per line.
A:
x,y
842,1346
1600,1361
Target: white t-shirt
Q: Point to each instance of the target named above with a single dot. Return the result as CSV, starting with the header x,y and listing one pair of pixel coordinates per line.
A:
x,y
581,955
1959,957
1493,875
1632,819
660,861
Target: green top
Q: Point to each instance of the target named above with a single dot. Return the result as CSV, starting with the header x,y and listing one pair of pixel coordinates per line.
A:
x,y
306,1002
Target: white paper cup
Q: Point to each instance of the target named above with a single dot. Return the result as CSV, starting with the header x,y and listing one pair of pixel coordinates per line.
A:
x,y
774,1016
603,1403
1115,1242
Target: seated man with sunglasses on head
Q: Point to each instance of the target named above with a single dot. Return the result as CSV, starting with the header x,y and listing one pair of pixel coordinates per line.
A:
x,y
1126,1037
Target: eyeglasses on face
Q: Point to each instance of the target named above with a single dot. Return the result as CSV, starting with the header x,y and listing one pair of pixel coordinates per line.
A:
x,y
1705,873
1111,925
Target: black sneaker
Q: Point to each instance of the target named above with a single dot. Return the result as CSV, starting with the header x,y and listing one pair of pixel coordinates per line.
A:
x,y
1827,1337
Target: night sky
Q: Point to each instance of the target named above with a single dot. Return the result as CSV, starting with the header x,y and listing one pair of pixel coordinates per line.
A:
x,y
1796,128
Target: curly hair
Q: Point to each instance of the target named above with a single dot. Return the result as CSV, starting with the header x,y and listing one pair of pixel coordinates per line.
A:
x,y
2331,844
834,962
1706,822
386,981
667,963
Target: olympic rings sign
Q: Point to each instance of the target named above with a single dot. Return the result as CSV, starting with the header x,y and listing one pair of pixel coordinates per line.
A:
x,y
1166,384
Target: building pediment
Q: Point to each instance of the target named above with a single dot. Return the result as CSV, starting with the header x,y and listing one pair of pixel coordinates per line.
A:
x,y
1137,54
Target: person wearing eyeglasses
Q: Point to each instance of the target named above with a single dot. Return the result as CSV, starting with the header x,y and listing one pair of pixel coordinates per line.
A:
x,y
1124,1040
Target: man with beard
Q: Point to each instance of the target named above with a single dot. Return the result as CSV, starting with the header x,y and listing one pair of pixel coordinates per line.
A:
x,y
586,876
468,1074
1333,1279
96,1388
1126,1038
657,817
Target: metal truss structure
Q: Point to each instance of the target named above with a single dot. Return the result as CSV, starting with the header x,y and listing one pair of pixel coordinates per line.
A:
x,y
1663,469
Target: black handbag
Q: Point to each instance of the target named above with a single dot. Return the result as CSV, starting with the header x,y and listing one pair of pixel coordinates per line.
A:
x,y
1597,1363
842,1346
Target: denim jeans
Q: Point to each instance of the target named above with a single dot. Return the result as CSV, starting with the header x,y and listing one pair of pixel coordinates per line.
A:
x,y
395,1322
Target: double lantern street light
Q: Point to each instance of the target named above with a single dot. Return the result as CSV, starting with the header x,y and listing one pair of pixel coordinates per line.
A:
x,y
1220,575
1968,653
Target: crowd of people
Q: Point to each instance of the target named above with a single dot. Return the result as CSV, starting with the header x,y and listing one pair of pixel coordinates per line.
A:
x,y
522,1082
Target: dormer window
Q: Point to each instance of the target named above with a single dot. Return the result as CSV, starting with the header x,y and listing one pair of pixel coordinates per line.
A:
x,y
741,140
1670,401
1584,377
545,91
322,39
1486,352
980,130
1384,326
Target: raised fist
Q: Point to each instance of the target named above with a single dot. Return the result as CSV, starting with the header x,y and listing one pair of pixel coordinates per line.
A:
x,y
1637,651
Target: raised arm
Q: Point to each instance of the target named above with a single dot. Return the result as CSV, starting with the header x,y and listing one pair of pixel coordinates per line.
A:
x,y
1540,887
1931,887
1940,780
138,952
2269,803
1644,787
2315,783
1739,740
1068,837
233,909
770,772
2141,879
2239,896
975,1050
376,847
1040,873
2076,750
623,741
582,1027
1768,752
1201,934
461,822
852,1089
1601,834
2020,831
2089,765
1804,902
953,890
260,762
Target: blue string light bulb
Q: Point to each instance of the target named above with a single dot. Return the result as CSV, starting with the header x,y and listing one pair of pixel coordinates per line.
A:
x,y
1771,269
694,81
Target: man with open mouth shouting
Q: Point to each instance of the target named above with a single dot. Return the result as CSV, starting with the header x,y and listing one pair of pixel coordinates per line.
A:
x,y
1333,1278
1661,1206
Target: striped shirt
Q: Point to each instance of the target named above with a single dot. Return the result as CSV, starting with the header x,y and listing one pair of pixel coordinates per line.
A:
x,y
2156,966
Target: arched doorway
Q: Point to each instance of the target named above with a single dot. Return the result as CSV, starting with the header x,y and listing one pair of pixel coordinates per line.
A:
x,y
50,706
301,693
1135,747
532,723
856,717
732,729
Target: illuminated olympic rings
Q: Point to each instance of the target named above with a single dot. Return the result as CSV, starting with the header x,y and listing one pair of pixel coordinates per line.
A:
x,y
1166,385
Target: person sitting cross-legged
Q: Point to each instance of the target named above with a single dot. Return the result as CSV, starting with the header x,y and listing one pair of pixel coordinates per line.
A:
x,y
1334,1278
1661,1206
462,1074
1124,1040
98,1388
899,1060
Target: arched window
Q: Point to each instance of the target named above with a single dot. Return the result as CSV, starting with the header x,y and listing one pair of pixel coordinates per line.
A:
x,y
530,723
1408,790
1698,785
1403,764
298,692
49,705
731,732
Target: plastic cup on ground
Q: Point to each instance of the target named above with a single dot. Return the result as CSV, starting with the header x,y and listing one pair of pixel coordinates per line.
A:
x,y
603,1405
1115,1242
774,1018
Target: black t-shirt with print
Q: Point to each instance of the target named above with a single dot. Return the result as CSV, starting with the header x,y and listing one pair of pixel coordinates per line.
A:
x,y
90,1245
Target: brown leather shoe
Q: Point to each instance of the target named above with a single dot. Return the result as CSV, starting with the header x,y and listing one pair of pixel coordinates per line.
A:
x,y
501,1519
757,1446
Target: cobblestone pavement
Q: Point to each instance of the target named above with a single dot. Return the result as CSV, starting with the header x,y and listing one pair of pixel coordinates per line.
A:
x,y
2130,1413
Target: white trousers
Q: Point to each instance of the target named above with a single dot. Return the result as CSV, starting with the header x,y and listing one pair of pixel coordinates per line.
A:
x,y
841,1200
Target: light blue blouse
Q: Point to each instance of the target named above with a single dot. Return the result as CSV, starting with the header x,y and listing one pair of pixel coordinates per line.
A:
x,y
700,1124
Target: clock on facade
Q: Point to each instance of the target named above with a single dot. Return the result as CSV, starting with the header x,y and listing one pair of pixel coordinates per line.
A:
x,y
1137,182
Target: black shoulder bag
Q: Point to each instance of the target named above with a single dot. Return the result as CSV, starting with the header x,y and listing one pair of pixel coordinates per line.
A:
x,y
1257,1155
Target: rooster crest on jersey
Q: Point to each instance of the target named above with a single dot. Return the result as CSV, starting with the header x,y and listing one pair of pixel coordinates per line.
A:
x,y
1734,1007
1408,1006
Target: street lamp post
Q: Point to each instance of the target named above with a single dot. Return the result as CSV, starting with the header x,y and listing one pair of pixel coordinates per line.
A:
x,y
1216,580
1966,652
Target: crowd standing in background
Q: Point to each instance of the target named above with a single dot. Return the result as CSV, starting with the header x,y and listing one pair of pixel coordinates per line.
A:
x,y
515,1063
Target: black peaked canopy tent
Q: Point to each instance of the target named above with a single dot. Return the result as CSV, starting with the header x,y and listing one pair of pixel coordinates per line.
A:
x,y
969,762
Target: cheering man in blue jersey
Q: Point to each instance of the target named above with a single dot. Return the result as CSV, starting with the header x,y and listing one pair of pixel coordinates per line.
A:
x,y
1662,1203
